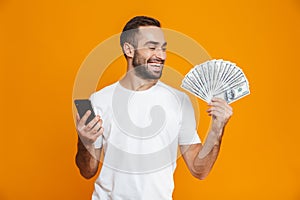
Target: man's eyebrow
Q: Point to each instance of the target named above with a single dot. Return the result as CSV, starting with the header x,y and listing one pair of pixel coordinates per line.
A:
x,y
154,43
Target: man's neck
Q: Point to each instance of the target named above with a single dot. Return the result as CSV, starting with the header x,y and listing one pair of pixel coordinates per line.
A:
x,y
132,82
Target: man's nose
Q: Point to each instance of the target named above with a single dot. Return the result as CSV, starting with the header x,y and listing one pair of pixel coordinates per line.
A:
x,y
161,53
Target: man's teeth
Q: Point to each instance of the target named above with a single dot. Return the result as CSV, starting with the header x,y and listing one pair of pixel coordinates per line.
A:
x,y
155,64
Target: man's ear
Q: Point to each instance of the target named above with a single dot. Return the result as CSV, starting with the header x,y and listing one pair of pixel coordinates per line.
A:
x,y
128,50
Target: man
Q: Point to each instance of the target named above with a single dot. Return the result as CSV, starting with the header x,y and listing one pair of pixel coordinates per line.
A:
x,y
142,123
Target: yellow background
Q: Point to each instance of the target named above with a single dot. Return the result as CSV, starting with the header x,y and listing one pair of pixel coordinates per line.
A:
x,y
43,43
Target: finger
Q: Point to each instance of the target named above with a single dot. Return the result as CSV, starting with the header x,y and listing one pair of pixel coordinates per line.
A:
x,y
222,104
84,118
217,99
221,112
220,100
96,128
216,104
216,114
92,123
100,121
95,136
215,108
95,133
77,118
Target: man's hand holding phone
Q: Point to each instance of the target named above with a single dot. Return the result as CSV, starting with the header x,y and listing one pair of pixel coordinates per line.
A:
x,y
90,132
88,125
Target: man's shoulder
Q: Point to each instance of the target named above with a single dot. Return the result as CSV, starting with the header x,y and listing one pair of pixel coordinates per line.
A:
x,y
104,93
175,91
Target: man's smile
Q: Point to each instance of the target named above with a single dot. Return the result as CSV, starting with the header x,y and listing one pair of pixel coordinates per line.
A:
x,y
156,65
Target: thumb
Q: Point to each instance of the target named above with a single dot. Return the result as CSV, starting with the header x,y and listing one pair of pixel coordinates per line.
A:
x,y
77,118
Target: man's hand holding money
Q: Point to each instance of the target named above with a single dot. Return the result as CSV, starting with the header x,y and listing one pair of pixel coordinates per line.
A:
x,y
221,113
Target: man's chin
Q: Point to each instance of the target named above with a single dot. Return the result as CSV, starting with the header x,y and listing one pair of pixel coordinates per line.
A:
x,y
156,72
157,75
149,73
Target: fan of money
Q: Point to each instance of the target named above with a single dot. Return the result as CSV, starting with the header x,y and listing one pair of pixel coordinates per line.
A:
x,y
216,78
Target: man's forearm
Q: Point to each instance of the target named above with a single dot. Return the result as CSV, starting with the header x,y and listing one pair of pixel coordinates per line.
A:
x,y
86,160
208,154
213,140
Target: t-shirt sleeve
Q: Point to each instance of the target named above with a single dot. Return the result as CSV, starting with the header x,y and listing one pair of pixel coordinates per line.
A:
x,y
187,133
98,142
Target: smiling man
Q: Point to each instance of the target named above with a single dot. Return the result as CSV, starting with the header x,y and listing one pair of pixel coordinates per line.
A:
x,y
150,54
141,122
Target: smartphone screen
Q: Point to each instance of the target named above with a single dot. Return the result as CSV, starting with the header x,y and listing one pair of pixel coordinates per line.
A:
x,y
83,105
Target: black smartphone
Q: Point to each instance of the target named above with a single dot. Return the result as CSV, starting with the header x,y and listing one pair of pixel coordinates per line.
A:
x,y
82,106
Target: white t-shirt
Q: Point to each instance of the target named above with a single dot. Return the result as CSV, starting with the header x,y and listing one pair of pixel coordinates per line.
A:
x,y
142,131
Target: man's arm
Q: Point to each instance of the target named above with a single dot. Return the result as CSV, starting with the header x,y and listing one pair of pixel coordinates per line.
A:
x,y
87,157
201,158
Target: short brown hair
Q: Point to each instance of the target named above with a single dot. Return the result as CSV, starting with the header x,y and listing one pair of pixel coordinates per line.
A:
x,y
130,30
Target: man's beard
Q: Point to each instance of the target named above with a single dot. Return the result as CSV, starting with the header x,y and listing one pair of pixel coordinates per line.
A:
x,y
142,67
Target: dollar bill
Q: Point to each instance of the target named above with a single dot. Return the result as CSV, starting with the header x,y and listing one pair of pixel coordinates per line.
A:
x,y
232,94
216,78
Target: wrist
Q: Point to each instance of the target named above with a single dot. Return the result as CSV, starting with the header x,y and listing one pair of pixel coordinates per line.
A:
x,y
89,147
85,145
215,136
217,128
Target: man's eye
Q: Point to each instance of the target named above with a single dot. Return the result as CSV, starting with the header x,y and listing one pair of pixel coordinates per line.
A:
x,y
152,48
164,49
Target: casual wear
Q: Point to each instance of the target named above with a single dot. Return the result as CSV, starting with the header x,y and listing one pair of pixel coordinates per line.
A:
x,y
142,131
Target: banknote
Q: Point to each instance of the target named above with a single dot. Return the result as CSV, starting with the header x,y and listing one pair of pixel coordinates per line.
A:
x,y
217,78
234,93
